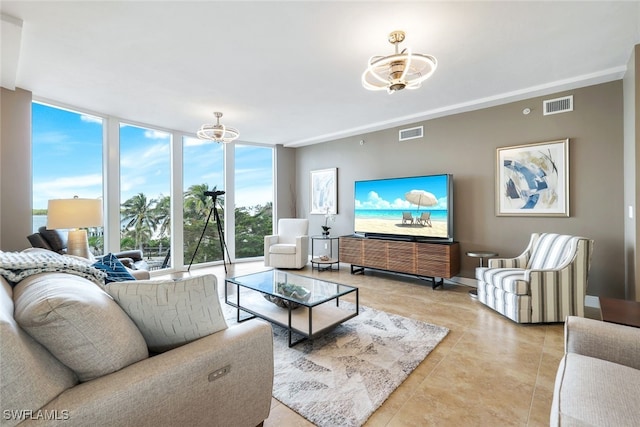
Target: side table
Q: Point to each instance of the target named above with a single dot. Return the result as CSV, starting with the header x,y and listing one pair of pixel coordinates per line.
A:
x,y
622,312
473,293
325,258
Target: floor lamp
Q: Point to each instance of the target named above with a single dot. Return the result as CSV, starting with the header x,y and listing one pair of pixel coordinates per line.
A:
x,y
75,214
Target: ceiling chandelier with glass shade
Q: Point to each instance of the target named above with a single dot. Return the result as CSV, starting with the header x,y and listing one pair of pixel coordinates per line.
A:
x,y
218,132
400,70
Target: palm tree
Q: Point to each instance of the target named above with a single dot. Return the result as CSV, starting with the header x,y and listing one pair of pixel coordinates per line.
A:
x,y
138,213
162,216
196,203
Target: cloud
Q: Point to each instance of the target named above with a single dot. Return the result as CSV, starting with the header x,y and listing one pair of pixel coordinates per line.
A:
x,y
65,187
374,201
156,134
90,119
53,137
195,142
255,195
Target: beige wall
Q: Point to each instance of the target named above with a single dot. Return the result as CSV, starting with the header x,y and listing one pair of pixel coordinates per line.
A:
x,y
285,183
465,146
15,169
632,173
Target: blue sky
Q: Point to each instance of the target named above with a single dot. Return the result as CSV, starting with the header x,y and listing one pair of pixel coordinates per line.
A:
x,y
67,161
390,193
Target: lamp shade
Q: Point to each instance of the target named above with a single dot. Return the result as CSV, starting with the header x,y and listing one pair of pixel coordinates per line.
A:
x,y
74,213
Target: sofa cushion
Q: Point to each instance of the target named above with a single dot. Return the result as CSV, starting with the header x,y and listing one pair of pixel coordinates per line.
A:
x,y
78,323
116,271
29,374
595,392
283,248
171,313
511,280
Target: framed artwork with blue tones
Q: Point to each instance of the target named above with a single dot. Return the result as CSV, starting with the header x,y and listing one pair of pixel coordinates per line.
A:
x,y
324,191
533,179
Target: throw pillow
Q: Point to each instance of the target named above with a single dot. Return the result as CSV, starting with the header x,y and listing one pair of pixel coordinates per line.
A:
x,y
116,272
171,313
78,323
56,239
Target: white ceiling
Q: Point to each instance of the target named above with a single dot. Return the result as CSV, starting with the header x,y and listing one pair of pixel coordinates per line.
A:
x,y
289,72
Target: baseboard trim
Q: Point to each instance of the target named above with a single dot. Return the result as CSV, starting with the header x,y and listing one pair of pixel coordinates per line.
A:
x,y
463,281
591,301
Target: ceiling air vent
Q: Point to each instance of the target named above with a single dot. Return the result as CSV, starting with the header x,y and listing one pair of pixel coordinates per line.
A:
x,y
558,105
411,133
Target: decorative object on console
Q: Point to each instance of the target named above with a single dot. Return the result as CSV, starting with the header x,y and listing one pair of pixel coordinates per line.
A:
x,y
324,190
218,132
533,179
401,70
75,214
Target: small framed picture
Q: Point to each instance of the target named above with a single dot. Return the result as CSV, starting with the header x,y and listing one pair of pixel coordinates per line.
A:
x,y
324,191
533,179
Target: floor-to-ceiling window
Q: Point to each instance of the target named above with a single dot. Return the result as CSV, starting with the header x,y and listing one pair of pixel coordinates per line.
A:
x,y
203,181
145,188
253,178
67,151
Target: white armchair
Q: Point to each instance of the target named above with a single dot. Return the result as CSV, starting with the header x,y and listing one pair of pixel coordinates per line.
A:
x,y
546,283
290,247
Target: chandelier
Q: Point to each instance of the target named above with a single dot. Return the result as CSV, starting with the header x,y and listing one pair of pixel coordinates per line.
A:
x,y
400,70
218,132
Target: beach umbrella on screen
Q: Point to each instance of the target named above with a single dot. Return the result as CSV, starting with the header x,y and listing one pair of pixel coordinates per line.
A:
x,y
421,198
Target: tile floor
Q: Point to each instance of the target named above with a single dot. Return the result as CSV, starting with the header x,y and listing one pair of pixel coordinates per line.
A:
x,y
489,371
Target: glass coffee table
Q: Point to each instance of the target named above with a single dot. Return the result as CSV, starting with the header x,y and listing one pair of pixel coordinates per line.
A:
x,y
303,305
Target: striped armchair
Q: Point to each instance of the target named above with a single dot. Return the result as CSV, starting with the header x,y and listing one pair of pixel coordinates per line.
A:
x,y
546,283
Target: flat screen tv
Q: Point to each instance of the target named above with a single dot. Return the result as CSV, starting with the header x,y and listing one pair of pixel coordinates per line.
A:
x,y
418,208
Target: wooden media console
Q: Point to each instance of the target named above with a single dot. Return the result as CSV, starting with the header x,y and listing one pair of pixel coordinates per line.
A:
x,y
430,260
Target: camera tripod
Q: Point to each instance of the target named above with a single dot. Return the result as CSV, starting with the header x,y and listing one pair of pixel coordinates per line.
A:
x,y
216,218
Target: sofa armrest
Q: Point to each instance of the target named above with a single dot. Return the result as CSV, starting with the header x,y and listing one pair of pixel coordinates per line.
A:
x,y
223,377
608,341
271,240
518,262
139,274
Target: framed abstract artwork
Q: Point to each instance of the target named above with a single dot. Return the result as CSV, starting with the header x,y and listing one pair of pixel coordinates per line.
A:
x,y
324,191
533,179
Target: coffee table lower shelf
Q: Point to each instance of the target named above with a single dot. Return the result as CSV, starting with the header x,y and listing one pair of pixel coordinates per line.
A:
x,y
306,321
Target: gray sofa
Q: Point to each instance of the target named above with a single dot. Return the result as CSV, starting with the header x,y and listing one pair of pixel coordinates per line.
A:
x,y
598,380
74,353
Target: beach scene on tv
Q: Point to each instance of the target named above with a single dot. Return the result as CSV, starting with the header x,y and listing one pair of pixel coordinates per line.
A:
x,y
413,206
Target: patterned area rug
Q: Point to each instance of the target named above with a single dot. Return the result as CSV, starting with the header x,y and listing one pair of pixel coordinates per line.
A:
x,y
342,377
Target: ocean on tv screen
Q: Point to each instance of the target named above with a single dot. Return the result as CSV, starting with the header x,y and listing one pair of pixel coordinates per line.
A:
x,y
412,206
